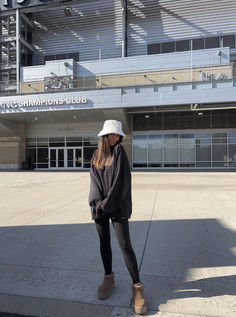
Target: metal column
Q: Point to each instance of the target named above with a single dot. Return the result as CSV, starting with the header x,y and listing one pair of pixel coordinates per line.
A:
x,y
17,51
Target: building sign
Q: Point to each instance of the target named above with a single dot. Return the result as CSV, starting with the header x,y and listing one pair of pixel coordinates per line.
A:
x,y
206,76
42,102
16,4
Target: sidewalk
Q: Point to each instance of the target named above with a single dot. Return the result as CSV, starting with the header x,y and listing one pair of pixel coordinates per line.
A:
x,y
183,231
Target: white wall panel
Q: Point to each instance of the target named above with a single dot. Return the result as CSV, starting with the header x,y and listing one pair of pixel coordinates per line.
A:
x,y
152,21
63,129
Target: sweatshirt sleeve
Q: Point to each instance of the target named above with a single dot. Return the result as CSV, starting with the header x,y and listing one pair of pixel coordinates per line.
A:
x,y
121,182
95,193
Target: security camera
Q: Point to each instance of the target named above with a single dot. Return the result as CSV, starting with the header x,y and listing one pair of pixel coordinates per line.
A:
x,y
66,64
219,53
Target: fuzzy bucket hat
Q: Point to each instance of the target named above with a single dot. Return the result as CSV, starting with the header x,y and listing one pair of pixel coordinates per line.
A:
x,y
112,126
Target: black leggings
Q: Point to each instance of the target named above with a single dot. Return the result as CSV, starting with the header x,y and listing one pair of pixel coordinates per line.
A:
x,y
121,227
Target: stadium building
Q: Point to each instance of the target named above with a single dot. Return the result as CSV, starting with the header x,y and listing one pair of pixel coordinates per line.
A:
x,y
165,68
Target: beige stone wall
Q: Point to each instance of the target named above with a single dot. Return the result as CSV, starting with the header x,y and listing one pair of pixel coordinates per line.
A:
x,y
12,150
9,150
141,79
32,87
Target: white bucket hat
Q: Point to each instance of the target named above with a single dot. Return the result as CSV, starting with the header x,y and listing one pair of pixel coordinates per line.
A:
x,y
112,126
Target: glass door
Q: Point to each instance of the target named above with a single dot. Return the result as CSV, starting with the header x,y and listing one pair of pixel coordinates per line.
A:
x,y
75,157
56,157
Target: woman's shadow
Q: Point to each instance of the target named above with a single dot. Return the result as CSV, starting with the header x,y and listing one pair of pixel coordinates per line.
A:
x,y
190,258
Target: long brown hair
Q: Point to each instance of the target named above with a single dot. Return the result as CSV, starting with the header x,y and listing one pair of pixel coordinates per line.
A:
x,y
103,155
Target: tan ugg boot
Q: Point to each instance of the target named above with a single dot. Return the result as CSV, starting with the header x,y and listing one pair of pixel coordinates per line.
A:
x,y
140,305
106,287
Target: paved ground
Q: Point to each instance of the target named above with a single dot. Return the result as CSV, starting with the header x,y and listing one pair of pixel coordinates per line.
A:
x,y
183,230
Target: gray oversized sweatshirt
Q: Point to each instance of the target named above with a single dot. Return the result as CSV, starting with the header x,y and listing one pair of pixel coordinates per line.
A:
x,y
111,187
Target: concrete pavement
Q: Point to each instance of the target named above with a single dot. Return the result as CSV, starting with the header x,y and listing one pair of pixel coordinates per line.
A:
x,y
183,231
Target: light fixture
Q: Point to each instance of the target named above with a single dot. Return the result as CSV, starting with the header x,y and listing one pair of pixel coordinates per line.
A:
x,y
200,113
67,11
146,116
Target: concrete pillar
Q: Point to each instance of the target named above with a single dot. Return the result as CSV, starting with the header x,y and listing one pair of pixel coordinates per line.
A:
x,y
12,145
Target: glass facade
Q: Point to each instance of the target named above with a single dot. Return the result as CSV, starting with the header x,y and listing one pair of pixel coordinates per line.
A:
x,y
60,152
186,150
187,139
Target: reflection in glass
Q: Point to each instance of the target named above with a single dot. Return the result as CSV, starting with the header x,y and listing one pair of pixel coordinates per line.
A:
x,y
171,148
70,157
74,141
219,152
56,142
91,140
53,158
232,154
42,142
140,148
78,157
203,152
155,143
60,157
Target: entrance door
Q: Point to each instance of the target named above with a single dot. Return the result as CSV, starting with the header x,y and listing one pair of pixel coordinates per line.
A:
x,y
57,158
75,157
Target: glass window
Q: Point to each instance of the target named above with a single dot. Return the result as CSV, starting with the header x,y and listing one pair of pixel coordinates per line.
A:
x,y
171,148
74,141
170,120
155,143
186,120
140,123
61,56
31,142
187,138
182,45
198,44
49,58
219,137
219,119
203,164
154,48
203,135
91,140
88,153
232,155
232,137
203,139
154,122
140,149
203,152
212,42
203,121
232,119
167,47
42,142
56,142
187,147
219,152
74,56
43,155
229,41
219,164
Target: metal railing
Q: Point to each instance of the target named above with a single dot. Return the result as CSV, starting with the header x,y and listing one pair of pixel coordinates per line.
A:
x,y
55,83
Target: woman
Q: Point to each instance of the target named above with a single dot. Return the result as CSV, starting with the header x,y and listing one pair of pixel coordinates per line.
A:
x,y
110,198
